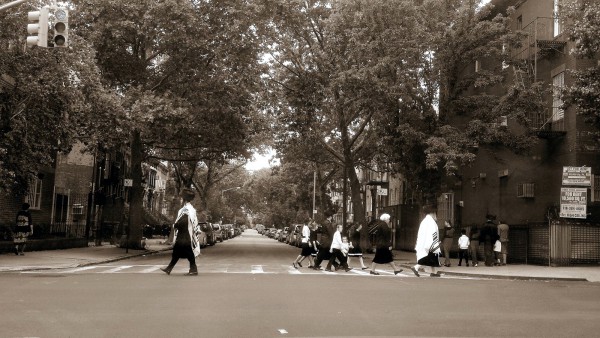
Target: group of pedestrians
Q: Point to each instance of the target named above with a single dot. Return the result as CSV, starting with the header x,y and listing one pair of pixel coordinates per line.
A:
x,y
337,249
493,236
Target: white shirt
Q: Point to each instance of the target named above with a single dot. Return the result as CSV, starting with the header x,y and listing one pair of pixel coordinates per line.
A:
x,y
463,242
305,233
336,243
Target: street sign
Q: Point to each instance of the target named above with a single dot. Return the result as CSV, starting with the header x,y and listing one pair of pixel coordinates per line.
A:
x,y
573,202
127,182
578,176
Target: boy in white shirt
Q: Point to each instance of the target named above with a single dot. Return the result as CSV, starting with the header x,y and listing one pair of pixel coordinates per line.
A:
x,y
463,247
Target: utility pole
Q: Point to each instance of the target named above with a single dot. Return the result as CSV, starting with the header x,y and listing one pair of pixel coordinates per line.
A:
x,y
12,4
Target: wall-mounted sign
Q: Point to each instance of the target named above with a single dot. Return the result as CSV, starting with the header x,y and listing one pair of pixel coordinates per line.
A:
x,y
573,202
579,176
382,191
128,182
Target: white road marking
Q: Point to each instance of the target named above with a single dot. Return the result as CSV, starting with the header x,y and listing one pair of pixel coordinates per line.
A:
x,y
150,269
117,269
83,268
257,269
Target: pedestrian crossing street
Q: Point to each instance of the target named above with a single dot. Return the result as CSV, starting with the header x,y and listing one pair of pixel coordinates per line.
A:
x,y
214,268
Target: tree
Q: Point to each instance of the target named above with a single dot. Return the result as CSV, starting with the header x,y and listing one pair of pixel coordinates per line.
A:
x,y
583,27
340,70
56,95
188,73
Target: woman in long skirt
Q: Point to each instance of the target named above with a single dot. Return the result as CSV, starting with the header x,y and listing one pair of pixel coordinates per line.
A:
x,y
383,251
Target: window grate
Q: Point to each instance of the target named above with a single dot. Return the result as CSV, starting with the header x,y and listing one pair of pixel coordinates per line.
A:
x,y
526,190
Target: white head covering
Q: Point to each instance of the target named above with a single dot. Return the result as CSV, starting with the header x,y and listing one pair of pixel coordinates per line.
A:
x,y
384,217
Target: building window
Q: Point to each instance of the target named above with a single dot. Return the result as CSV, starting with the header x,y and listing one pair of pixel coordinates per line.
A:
x,y
558,82
34,195
526,190
477,66
520,23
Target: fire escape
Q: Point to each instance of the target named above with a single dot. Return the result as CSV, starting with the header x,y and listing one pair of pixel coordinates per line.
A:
x,y
539,44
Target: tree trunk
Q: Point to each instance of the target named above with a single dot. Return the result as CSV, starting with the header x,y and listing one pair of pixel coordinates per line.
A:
x,y
136,194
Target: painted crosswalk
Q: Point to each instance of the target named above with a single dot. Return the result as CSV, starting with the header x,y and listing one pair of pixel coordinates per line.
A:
x,y
211,268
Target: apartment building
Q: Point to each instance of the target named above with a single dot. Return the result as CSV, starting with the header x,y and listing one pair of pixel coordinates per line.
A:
x,y
532,192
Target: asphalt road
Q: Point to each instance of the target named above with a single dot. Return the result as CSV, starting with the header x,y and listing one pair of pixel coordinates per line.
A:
x,y
233,297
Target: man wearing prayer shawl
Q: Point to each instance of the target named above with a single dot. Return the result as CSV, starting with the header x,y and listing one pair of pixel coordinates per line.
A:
x,y
186,244
428,240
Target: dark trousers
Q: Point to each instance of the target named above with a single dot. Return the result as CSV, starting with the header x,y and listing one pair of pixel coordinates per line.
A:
x,y
463,253
474,247
488,250
183,253
322,255
337,253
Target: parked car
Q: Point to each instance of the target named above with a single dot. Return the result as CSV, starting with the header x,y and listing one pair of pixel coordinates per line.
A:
x,y
272,232
208,232
284,234
278,234
218,232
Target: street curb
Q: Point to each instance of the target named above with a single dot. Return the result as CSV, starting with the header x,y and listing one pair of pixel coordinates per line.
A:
x,y
116,259
507,277
110,260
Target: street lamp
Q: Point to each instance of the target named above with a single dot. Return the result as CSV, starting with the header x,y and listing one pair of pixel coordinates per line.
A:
x,y
222,191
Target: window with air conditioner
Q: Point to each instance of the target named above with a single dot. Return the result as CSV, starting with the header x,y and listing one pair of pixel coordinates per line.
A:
x,y
526,190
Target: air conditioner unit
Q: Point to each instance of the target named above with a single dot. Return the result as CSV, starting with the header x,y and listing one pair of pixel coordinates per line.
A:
x,y
526,190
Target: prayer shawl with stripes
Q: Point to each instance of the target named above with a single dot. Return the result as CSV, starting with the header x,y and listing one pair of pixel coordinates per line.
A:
x,y
193,227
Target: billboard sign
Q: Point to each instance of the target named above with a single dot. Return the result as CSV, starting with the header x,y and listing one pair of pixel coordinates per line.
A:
x,y
579,176
573,202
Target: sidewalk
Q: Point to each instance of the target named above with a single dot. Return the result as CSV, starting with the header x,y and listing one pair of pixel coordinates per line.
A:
x,y
511,271
77,257
71,258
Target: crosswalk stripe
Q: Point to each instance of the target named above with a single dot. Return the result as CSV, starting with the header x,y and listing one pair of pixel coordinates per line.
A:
x,y
221,268
117,269
83,268
150,269
257,269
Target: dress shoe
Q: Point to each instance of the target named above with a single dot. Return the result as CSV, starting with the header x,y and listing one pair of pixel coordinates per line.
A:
x,y
294,265
435,275
300,265
192,273
397,272
364,268
347,269
165,270
415,271
374,273
328,270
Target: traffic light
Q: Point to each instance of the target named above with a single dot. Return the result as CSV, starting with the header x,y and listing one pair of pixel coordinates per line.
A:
x,y
39,28
60,27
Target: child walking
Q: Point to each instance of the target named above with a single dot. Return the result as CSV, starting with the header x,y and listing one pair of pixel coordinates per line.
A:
x,y
463,247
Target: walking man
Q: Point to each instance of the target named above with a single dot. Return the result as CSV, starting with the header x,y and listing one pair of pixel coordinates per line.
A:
x,y
186,235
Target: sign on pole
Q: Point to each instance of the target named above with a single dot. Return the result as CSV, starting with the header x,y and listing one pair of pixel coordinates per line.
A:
x,y
573,202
